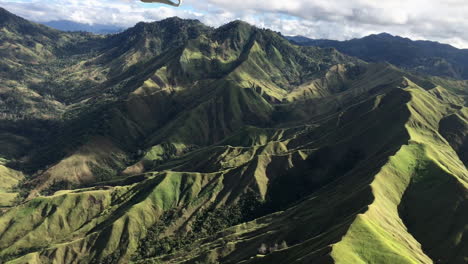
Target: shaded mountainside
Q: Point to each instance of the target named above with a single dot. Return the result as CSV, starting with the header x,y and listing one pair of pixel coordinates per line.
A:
x,y
174,142
428,57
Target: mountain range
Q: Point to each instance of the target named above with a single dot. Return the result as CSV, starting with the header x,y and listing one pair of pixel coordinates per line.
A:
x,y
71,26
425,57
176,142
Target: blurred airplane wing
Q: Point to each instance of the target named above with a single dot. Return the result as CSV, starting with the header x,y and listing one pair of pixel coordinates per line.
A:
x,y
167,2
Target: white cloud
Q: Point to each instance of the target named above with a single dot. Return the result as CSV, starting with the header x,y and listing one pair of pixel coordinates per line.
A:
x,y
439,20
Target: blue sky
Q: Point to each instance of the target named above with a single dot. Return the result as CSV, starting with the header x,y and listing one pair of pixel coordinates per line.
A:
x,y
439,20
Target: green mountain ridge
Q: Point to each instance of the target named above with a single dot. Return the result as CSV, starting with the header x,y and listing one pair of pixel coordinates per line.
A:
x,y
173,142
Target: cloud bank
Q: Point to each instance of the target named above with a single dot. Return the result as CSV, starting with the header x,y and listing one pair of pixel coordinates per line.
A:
x,y
439,20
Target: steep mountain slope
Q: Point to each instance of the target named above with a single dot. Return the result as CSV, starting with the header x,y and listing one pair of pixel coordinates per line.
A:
x,y
422,56
180,143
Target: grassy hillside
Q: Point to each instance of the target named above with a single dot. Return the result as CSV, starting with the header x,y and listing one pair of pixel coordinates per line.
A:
x,y
173,142
9,181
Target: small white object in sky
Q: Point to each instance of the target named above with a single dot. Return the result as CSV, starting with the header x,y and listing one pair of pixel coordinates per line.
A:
x,y
167,2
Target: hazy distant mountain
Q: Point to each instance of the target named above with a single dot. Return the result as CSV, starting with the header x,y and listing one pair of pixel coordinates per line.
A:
x,y
67,25
299,39
422,56
174,142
